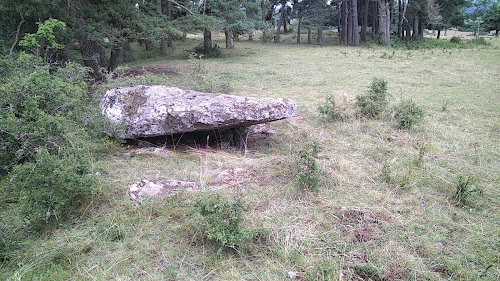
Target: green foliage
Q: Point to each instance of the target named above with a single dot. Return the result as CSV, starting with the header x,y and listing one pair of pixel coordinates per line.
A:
x,y
481,41
39,109
45,38
456,40
221,221
367,272
47,122
54,185
407,113
375,101
307,172
330,111
466,190
213,52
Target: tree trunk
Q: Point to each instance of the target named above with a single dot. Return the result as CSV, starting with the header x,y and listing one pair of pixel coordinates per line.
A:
x,y
236,36
298,30
89,49
345,22
229,38
400,18
170,43
496,33
355,35
263,9
319,38
439,34
374,18
350,24
408,31
278,30
364,21
384,21
250,36
309,36
116,58
149,45
285,18
163,46
207,39
339,22
415,27
421,29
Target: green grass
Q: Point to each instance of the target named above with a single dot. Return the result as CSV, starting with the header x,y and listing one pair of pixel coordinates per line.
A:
x,y
385,209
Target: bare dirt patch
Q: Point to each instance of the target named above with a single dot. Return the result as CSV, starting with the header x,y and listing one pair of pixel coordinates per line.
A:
x,y
153,69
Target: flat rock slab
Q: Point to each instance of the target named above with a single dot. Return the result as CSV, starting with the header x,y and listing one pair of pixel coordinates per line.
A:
x,y
145,189
150,111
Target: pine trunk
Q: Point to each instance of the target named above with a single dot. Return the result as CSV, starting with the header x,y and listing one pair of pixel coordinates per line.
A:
x,y
339,23
278,30
149,45
163,46
384,21
116,58
283,10
170,43
319,38
439,34
400,18
309,36
415,27
345,22
421,29
229,39
207,40
374,19
364,22
298,30
350,23
355,35
263,9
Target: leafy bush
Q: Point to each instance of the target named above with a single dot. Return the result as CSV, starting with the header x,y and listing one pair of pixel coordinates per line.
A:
x,y
307,172
221,221
375,101
48,123
54,186
466,190
456,40
213,52
330,111
38,109
481,41
407,113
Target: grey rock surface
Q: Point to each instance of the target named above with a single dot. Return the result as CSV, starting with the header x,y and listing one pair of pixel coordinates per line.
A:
x,y
145,189
149,111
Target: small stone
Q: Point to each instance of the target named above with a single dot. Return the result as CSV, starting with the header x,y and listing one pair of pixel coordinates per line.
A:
x,y
271,132
146,189
392,138
293,275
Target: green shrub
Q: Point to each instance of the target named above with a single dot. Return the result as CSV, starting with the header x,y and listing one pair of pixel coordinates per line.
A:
x,y
330,111
213,52
39,108
221,221
203,80
407,113
456,40
307,172
466,190
375,101
53,187
481,41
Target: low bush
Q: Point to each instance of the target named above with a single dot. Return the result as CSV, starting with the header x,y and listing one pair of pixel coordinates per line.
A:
x,y
407,113
221,221
375,101
330,111
203,80
456,40
213,52
307,172
466,190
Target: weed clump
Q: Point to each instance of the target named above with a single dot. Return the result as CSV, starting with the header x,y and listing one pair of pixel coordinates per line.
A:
x,y
330,111
465,190
212,52
375,101
407,113
456,40
221,221
202,80
307,172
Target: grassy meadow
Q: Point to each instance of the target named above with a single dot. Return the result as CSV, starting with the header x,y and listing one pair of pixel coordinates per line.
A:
x,y
383,210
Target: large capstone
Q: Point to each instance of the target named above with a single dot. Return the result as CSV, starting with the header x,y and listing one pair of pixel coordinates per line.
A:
x,y
150,111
